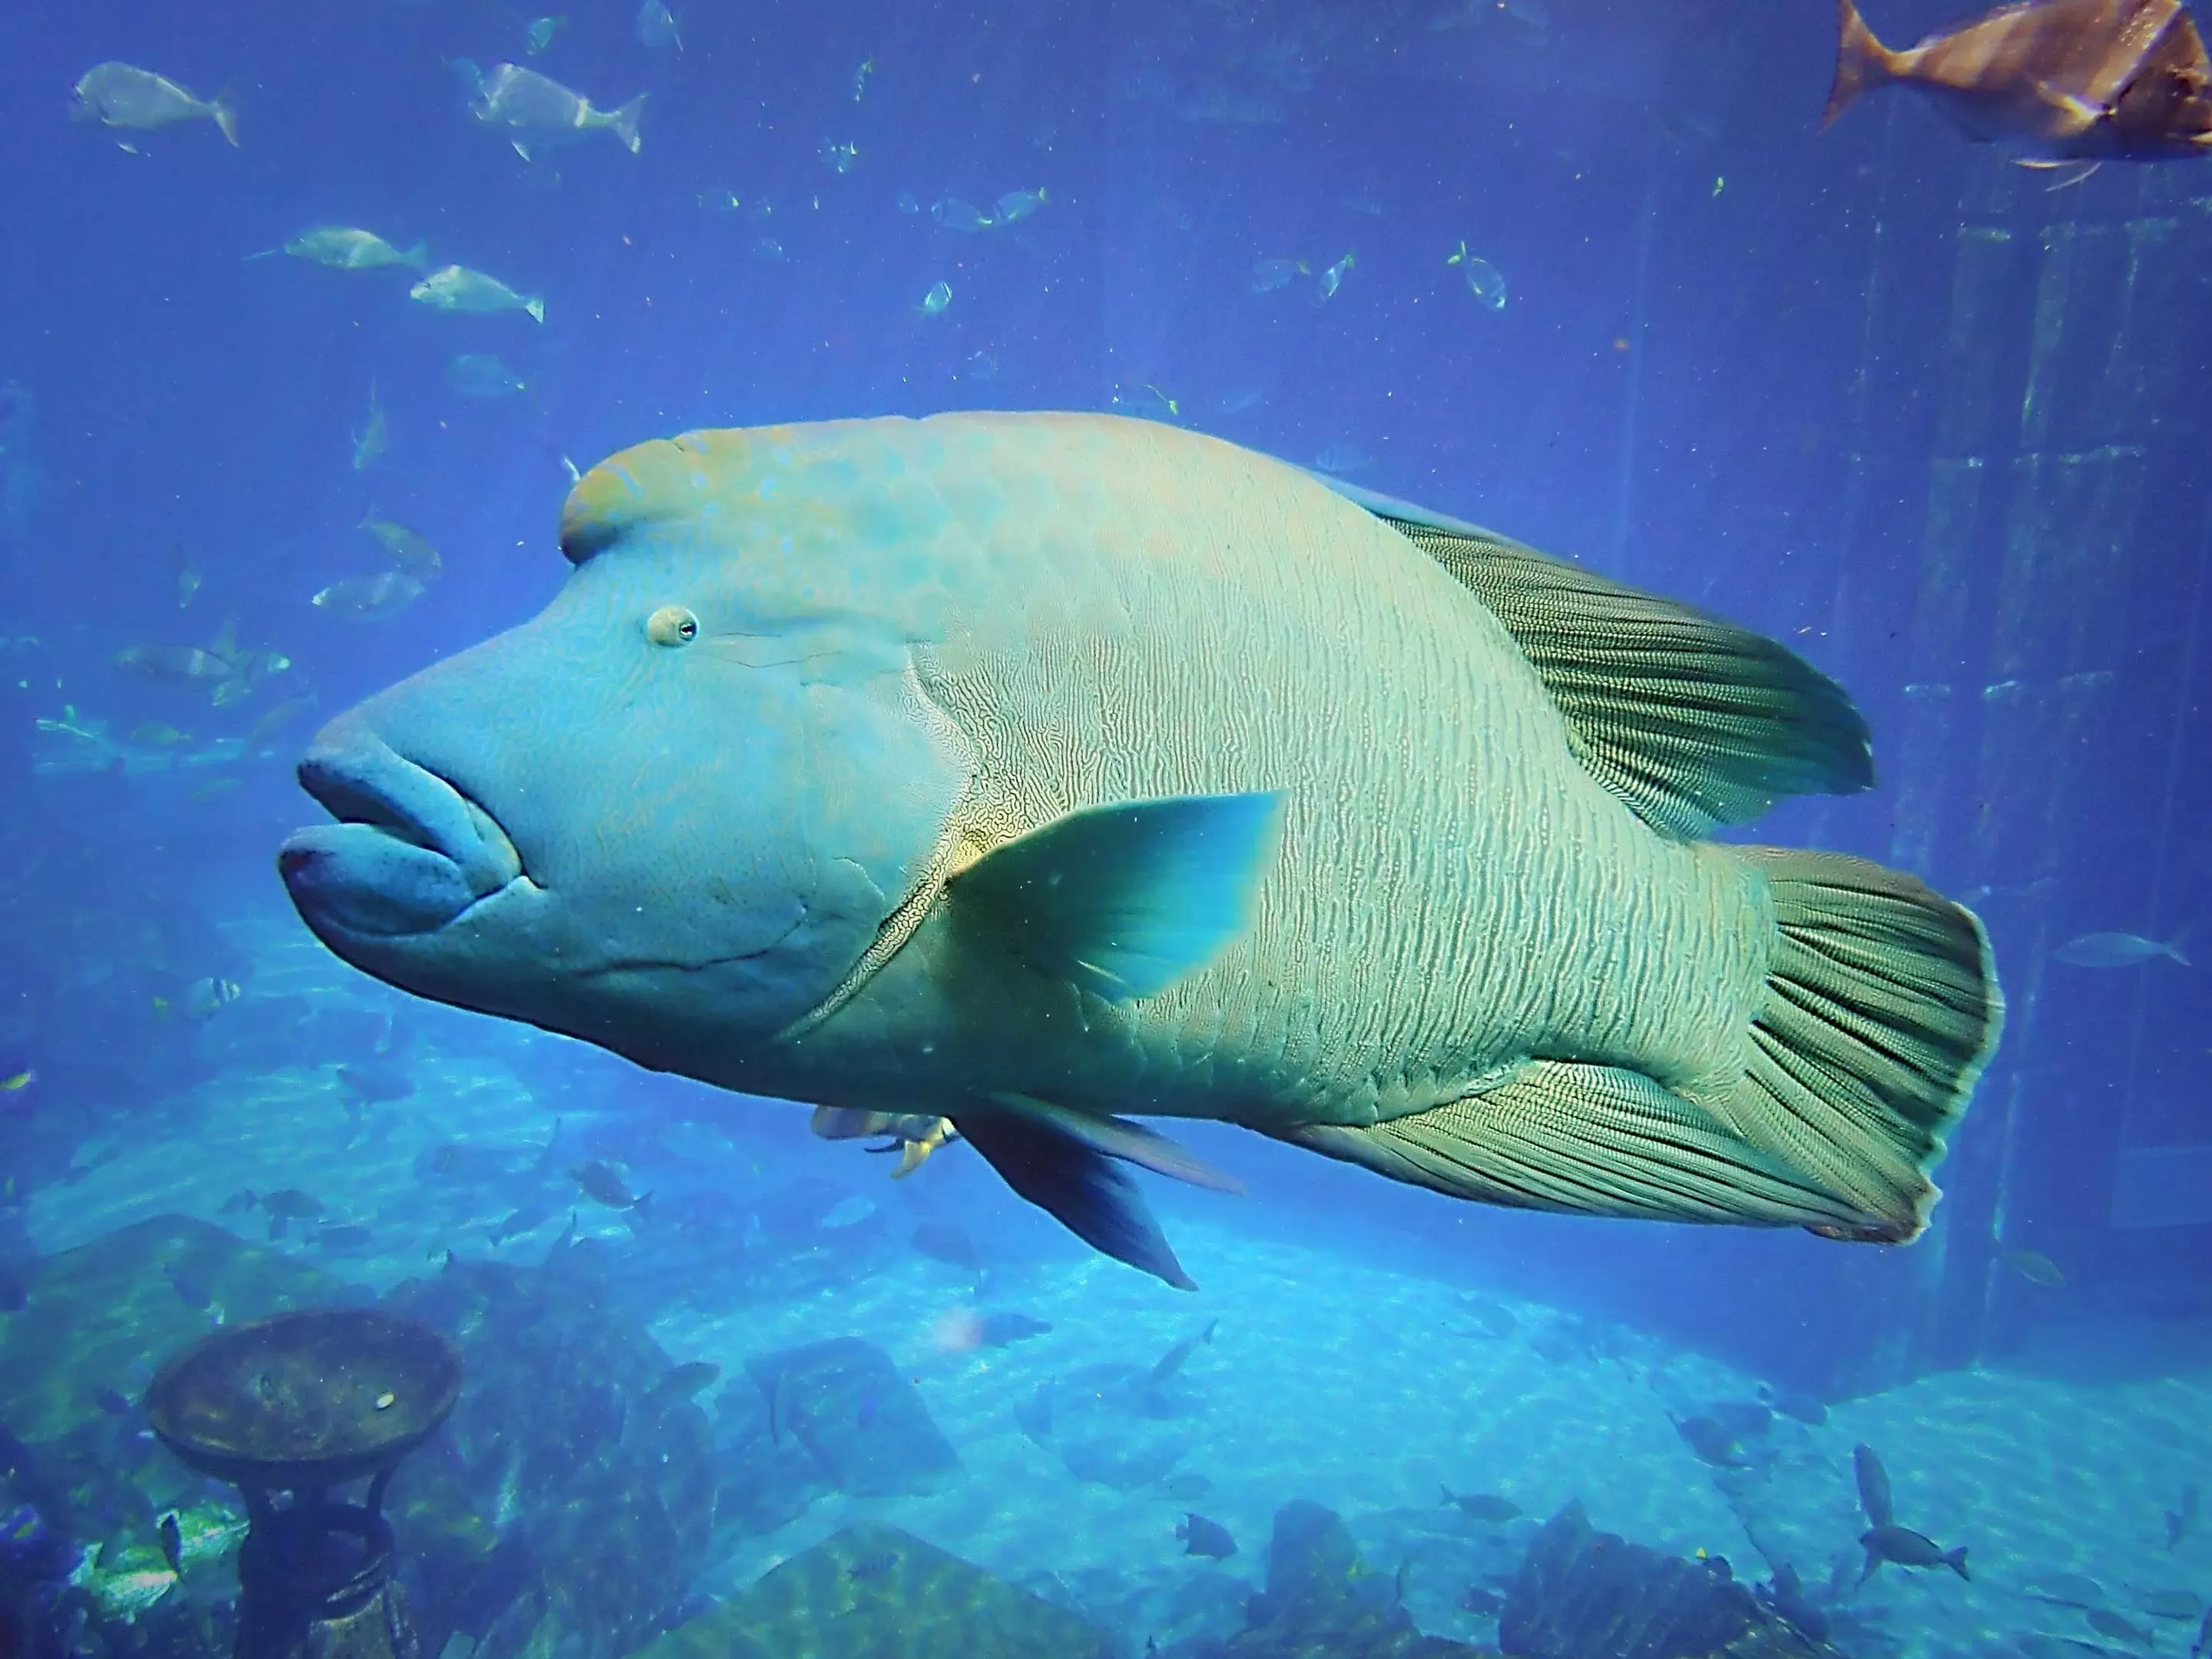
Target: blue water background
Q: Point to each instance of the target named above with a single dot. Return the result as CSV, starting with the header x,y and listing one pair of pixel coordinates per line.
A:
x,y
1720,374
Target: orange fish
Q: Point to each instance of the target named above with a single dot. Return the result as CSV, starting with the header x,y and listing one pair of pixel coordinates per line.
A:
x,y
2060,80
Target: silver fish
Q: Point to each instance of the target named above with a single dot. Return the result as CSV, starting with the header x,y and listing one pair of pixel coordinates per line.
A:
x,y
120,95
456,287
371,598
479,374
534,110
370,443
411,550
955,215
656,26
2118,950
343,248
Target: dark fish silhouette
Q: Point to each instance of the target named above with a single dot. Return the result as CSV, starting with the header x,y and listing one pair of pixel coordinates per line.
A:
x,y
682,1382
1786,1595
1790,1402
1874,1486
1172,1361
1034,1415
997,1330
528,1219
287,1205
870,1568
948,1242
1712,1441
601,1182
1492,1319
2106,1622
1203,1537
2061,80
1483,1506
1908,1548
2067,1589
2180,1523
1742,1419
373,1083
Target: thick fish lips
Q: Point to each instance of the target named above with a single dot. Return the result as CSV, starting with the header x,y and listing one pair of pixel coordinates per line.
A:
x,y
408,854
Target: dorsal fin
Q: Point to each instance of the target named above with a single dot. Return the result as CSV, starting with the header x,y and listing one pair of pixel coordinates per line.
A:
x,y
1692,721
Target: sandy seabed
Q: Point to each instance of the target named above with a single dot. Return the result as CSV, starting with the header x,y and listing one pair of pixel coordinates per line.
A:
x,y
1325,1378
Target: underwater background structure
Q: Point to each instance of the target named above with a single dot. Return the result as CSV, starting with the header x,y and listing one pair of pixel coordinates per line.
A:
x,y
301,351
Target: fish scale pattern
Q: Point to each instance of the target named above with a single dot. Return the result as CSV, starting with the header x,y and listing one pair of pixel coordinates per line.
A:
x,y
1171,615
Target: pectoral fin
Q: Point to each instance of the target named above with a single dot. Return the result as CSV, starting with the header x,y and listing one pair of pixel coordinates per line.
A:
x,y
1125,900
1065,1163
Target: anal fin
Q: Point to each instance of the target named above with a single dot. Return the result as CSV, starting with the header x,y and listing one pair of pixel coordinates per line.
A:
x,y
1590,1140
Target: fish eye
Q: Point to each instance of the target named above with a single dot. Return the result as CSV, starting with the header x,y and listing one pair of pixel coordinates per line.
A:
x,y
672,625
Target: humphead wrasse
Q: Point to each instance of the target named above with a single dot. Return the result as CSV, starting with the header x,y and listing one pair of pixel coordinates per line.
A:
x,y
1030,770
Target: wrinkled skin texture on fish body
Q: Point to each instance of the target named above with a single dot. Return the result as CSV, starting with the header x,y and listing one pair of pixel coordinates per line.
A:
x,y
917,641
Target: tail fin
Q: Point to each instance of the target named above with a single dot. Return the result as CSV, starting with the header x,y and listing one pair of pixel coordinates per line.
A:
x,y
416,258
624,123
1956,1560
1882,1009
536,307
225,115
1861,61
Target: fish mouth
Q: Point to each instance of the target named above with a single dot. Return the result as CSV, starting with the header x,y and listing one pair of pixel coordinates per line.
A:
x,y
409,853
